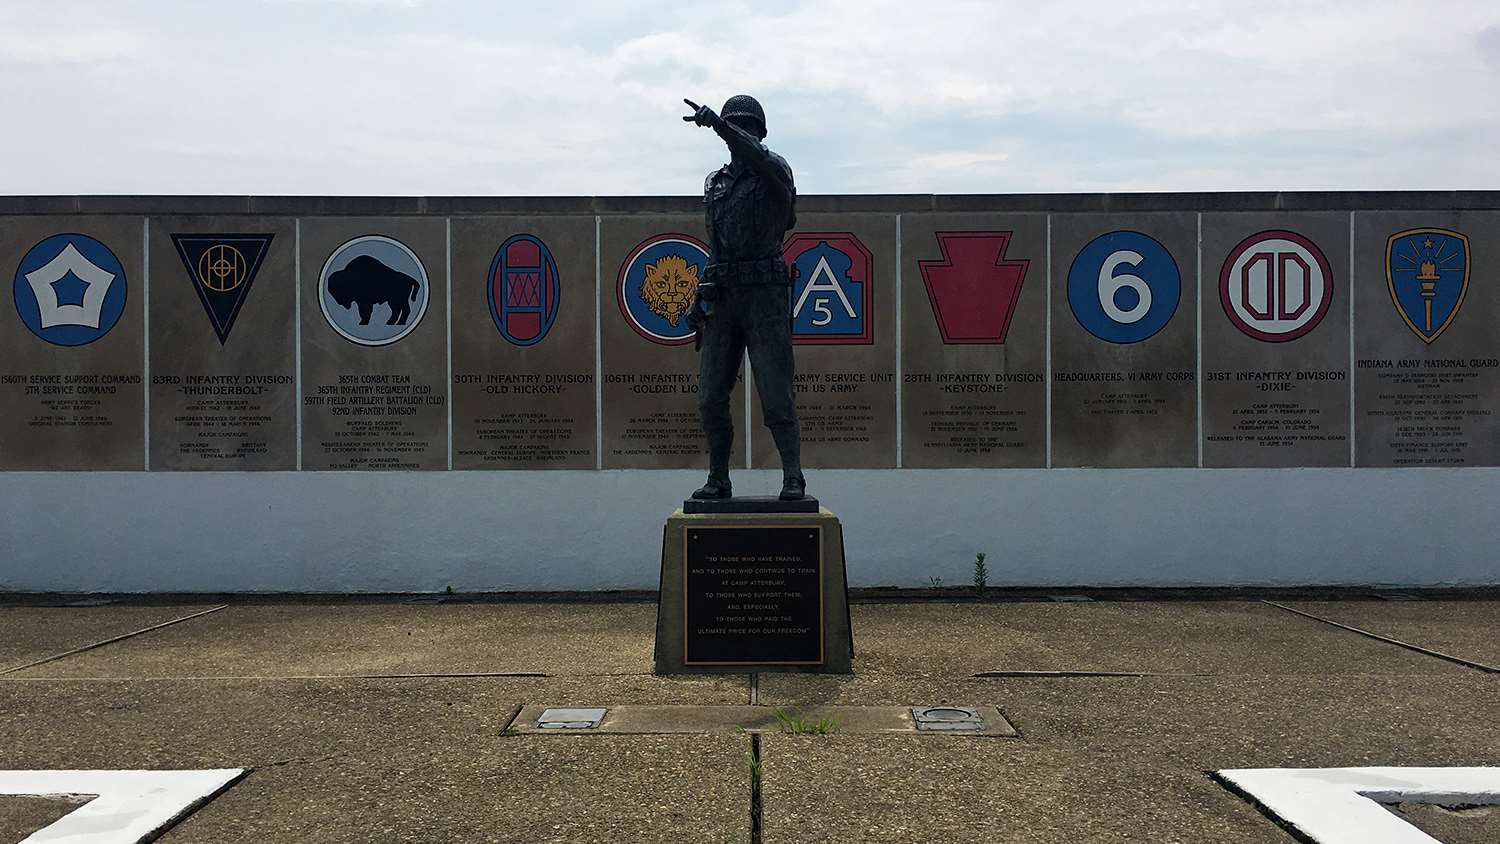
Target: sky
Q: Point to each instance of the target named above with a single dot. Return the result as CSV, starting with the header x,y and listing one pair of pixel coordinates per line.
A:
x,y
467,97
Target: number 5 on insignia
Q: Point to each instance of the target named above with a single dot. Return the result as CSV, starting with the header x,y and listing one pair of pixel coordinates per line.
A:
x,y
830,296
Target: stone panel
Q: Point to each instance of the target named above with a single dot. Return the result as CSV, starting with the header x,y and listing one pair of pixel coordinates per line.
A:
x,y
842,301
223,343
72,343
1276,384
974,340
1124,354
374,396
650,380
1421,403
524,310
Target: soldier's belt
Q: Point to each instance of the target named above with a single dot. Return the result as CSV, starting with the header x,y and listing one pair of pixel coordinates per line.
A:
x,y
744,273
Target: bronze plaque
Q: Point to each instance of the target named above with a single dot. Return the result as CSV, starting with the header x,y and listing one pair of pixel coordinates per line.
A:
x,y
1276,339
842,302
974,340
523,343
752,594
1427,359
72,343
223,346
649,268
1124,340
374,343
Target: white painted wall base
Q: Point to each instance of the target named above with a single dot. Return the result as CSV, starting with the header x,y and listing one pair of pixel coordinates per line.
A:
x,y
497,531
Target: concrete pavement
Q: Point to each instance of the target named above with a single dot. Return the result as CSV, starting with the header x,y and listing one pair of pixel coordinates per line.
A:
x,y
367,721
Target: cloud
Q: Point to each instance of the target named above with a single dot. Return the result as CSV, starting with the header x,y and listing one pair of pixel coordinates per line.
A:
x,y
347,96
405,3
1488,41
73,47
958,160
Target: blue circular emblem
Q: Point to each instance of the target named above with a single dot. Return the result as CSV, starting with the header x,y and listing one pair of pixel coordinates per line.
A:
x,y
657,284
70,290
373,290
1124,287
523,289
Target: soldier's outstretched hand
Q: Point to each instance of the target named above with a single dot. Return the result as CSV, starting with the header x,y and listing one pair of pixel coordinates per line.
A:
x,y
702,115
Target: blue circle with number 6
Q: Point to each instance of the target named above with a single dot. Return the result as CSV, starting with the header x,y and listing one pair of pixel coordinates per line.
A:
x,y
1124,287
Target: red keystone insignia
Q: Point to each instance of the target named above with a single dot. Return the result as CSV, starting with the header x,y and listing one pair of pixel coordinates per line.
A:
x,y
974,288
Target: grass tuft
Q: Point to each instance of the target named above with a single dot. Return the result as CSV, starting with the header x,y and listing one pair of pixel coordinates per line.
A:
x,y
797,724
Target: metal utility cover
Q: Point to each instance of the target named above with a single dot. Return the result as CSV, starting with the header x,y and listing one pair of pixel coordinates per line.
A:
x,y
957,718
570,719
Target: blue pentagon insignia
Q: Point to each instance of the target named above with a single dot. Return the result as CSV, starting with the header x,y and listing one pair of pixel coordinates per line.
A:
x,y
70,290
1427,271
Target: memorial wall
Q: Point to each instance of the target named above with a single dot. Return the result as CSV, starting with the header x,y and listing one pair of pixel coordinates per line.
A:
x,y
1253,331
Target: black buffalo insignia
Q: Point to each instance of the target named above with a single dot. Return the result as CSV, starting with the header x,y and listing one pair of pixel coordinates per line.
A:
x,y
366,282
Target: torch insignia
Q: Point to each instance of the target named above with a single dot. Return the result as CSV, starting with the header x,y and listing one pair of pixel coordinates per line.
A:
x,y
1427,271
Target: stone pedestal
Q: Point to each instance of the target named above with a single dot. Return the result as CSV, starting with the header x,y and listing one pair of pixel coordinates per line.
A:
x,y
753,591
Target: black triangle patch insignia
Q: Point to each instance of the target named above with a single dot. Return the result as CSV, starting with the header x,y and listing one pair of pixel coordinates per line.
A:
x,y
222,267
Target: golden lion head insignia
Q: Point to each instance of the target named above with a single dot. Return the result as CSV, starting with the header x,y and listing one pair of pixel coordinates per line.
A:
x,y
669,287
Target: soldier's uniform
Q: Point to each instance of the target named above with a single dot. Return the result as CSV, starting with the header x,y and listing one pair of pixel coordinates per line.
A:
x,y
742,300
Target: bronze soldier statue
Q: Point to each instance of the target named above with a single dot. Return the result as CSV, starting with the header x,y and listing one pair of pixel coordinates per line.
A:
x,y
742,300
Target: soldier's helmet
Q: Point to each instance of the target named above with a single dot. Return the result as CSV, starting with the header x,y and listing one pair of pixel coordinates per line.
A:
x,y
744,107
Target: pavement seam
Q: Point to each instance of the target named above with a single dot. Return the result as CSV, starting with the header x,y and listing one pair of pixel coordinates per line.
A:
x,y
456,675
298,760
757,819
1022,674
1020,735
109,641
199,804
476,675
1456,660
510,718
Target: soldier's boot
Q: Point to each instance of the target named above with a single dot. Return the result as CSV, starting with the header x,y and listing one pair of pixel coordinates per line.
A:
x,y
789,444
720,444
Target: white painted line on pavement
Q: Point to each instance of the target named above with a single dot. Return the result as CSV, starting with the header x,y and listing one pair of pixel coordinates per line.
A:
x,y
128,806
1342,805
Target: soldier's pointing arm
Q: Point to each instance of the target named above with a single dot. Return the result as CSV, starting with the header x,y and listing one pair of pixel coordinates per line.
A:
x,y
770,165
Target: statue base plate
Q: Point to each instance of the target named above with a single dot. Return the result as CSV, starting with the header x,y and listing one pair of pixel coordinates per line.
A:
x,y
750,504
